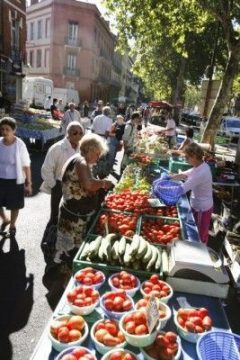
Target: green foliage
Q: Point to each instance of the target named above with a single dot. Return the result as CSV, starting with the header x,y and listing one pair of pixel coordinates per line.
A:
x,y
192,96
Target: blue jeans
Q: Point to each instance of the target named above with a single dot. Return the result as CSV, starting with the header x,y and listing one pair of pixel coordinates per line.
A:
x,y
112,145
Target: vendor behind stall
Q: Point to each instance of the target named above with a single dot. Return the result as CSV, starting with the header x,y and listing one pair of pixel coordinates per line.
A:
x,y
199,181
170,131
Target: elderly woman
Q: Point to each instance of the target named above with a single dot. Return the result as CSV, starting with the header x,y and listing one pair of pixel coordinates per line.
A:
x,y
199,181
80,194
15,174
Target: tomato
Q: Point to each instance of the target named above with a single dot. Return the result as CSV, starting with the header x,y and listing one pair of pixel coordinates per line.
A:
x,y
171,336
99,334
141,329
199,329
207,322
189,326
162,341
130,327
154,278
139,318
76,322
69,357
79,352
141,303
127,305
118,303
203,312
181,321
74,335
183,313
128,356
110,340
128,318
63,334
108,303
116,355
72,295
196,320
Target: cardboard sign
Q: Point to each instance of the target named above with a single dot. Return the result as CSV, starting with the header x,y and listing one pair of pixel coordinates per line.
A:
x,y
152,313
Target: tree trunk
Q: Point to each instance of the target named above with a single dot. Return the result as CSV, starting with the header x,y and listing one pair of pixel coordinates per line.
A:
x,y
179,89
222,97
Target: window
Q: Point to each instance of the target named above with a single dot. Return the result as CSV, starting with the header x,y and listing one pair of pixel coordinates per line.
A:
x,y
15,33
71,61
39,29
72,30
39,58
47,28
31,31
46,58
31,58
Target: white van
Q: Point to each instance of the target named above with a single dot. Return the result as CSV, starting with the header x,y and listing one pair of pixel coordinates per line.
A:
x,y
67,95
230,126
36,89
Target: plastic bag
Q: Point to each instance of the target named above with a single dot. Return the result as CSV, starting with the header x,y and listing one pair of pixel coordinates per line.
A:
x,y
167,190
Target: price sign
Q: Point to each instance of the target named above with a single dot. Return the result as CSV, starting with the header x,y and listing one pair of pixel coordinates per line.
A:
x,y
152,313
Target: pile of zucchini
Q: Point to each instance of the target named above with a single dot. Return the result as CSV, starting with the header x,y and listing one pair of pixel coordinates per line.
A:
x,y
136,253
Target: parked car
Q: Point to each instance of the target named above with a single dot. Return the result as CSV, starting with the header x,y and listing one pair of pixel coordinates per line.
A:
x,y
191,119
230,126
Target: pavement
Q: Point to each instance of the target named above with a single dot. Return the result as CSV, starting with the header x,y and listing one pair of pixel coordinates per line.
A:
x,y
28,296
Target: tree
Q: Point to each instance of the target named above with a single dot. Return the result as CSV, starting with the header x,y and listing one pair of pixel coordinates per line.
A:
x,y
154,23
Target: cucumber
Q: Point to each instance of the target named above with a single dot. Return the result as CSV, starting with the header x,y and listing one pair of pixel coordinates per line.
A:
x,y
104,252
135,244
122,246
148,254
142,249
114,250
94,247
84,253
153,258
164,262
159,259
127,257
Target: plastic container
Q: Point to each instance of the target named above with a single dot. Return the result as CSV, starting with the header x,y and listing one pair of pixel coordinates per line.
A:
x,y
176,357
168,191
94,286
83,310
114,314
188,335
137,340
218,345
70,350
129,292
59,346
163,299
100,347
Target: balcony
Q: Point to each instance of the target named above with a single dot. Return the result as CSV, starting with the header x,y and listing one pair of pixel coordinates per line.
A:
x,y
71,72
74,42
104,54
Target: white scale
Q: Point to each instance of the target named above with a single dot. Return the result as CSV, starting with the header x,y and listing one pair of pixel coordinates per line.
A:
x,y
197,269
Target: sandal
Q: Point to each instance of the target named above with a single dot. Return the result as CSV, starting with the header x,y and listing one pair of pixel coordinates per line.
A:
x,y
3,227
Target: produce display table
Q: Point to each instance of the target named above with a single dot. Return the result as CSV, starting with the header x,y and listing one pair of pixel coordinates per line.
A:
x,y
44,350
42,135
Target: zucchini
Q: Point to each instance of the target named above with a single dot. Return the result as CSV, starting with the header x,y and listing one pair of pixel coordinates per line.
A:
x,y
164,262
135,244
94,247
122,246
127,257
114,250
153,258
148,254
159,259
142,249
104,252
84,253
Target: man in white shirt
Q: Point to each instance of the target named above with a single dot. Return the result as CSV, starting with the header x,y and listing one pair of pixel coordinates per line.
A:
x,y
56,157
70,115
102,123
170,131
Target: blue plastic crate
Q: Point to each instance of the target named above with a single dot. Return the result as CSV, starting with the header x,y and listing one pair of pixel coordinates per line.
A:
x,y
218,345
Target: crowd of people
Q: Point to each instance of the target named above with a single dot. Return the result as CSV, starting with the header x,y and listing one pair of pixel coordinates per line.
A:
x,y
75,173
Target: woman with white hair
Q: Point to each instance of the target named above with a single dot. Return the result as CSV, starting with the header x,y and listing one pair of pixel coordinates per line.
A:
x,y
80,194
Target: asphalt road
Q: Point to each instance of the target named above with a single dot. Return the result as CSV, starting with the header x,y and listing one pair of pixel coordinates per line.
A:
x,y
26,298
26,304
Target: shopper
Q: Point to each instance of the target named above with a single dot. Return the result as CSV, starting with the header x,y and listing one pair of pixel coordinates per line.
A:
x,y
56,157
102,123
199,181
15,174
115,139
170,131
70,115
80,194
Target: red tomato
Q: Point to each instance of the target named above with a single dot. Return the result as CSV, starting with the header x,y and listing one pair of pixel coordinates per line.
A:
x,y
141,329
79,352
111,328
127,305
69,357
203,312
74,335
139,318
154,279
189,326
171,336
118,303
63,334
207,322
108,303
130,327
116,355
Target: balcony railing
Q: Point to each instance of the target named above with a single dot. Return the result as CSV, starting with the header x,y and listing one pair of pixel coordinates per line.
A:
x,y
75,42
71,72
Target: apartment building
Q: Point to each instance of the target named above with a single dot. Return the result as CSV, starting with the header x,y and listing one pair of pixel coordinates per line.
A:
x,y
12,49
70,43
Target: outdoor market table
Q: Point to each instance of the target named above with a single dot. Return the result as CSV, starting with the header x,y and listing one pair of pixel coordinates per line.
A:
x,y
37,134
44,350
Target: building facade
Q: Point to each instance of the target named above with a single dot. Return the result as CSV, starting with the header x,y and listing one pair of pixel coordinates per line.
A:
x,y
12,49
70,43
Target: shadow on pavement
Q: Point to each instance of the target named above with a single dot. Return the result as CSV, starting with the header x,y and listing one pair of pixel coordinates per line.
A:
x,y
37,159
16,291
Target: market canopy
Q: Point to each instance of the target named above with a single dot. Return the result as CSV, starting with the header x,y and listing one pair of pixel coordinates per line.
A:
x,y
161,104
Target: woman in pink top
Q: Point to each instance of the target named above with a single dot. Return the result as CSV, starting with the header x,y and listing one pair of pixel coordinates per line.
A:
x,y
199,181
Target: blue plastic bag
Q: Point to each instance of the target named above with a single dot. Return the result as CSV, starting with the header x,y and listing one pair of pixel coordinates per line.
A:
x,y
167,190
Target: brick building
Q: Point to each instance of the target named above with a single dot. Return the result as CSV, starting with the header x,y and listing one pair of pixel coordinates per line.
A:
x,y
70,43
12,48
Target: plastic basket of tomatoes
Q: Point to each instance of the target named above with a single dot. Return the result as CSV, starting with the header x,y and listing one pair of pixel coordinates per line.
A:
x,y
160,230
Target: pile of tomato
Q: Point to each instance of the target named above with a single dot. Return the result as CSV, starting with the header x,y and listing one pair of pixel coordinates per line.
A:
x,y
158,231
117,223
127,200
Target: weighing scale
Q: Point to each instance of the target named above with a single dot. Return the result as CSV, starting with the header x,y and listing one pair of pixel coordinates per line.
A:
x,y
195,268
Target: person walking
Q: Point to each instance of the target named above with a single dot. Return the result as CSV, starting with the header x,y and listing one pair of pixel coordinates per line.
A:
x,y
15,174
115,139
52,166
102,123
170,131
70,115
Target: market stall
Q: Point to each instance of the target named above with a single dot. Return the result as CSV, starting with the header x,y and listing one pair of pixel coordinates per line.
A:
x,y
134,256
